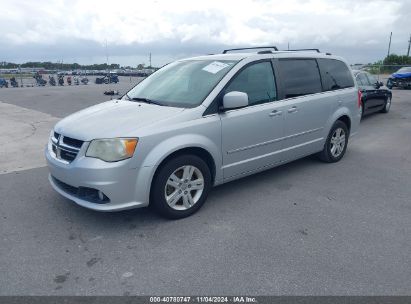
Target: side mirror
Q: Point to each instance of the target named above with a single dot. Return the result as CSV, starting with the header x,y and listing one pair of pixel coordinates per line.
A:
x,y
378,84
235,99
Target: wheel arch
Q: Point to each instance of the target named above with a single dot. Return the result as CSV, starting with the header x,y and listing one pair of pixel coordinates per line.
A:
x,y
346,120
193,150
342,114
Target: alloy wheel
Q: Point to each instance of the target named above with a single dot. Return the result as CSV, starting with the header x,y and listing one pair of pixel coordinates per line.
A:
x,y
388,104
337,142
184,187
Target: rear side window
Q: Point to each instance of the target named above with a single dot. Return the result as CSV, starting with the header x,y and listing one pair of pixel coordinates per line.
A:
x,y
335,74
300,77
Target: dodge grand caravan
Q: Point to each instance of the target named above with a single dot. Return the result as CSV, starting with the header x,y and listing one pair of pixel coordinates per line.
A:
x,y
201,122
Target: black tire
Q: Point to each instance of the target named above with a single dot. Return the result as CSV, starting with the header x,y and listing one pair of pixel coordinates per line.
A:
x,y
326,154
158,189
362,110
387,106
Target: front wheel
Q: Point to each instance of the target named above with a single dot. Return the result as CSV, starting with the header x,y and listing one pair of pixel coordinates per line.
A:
x,y
389,84
361,110
336,143
387,106
181,186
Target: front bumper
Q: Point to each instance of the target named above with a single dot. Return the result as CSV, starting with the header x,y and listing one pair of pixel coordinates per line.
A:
x,y
124,187
399,82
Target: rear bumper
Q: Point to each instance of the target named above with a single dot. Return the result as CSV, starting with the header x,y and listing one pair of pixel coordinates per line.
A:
x,y
124,187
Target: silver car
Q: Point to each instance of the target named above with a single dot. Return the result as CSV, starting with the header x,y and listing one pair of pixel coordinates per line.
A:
x,y
201,122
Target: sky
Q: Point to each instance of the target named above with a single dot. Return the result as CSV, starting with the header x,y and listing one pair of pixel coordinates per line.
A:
x,y
78,31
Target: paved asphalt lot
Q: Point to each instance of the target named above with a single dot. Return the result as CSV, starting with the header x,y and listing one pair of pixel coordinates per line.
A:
x,y
303,228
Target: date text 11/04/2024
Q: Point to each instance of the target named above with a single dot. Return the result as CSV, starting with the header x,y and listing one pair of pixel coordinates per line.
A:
x,y
205,299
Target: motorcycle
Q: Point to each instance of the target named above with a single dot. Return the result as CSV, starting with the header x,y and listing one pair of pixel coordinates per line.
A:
x,y
61,80
76,81
52,81
84,80
13,82
39,80
3,83
69,80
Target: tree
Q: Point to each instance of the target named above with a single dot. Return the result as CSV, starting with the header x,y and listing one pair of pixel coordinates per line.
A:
x,y
390,64
140,66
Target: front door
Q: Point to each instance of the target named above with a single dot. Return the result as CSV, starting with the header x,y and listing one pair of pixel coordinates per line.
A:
x,y
369,93
252,136
379,95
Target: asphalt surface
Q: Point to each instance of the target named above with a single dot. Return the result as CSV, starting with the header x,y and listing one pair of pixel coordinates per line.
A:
x,y
305,228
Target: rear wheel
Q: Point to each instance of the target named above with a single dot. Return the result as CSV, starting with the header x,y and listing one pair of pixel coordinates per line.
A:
x,y
336,143
181,186
387,106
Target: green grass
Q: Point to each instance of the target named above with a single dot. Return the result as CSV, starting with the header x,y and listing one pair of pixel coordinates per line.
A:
x,y
24,75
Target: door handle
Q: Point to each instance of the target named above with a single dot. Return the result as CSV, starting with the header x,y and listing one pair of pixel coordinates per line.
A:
x,y
275,113
292,109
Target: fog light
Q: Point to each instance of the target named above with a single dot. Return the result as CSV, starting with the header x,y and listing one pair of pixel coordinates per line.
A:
x,y
100,195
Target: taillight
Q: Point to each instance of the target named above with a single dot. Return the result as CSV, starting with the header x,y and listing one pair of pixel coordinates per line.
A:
x,y
359,98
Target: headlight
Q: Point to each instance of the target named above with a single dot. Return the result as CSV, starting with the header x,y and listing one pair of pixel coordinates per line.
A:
x,y
112,149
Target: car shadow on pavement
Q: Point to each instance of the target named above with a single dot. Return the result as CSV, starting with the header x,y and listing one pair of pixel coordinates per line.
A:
x,y
142,218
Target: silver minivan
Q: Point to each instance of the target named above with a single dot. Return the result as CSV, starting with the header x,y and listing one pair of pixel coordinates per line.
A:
x,y
201,122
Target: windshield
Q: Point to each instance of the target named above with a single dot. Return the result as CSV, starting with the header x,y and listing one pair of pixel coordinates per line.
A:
x,y
404,70
181,84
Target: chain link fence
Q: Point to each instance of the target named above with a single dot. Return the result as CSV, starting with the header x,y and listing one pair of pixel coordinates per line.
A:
x,y
384,72
380,70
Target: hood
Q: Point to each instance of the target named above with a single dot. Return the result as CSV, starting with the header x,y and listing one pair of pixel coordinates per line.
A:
x,y
114,118
401,75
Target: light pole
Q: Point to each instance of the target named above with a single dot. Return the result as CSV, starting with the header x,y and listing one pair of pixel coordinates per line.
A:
x,y
389,45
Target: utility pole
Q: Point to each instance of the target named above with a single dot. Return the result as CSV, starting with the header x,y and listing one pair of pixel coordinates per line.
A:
x,y
389,45
108,69
149,59
106,55
409,45
288,46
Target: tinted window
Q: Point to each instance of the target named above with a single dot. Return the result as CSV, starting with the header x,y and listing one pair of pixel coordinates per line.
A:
x,y
300,77
372,79
362,79
358,79
257,81
404,70
335,74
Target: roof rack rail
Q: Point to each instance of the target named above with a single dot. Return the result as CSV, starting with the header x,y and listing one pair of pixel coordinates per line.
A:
x,y
302,50
251,48
264,52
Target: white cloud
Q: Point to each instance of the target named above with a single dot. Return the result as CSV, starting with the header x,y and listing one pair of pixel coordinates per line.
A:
x,y
302,23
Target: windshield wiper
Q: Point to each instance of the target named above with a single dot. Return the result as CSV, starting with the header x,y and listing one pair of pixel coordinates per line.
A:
x,y
146,100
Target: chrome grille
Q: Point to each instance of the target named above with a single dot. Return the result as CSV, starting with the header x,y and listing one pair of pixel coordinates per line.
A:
x,y
65,148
